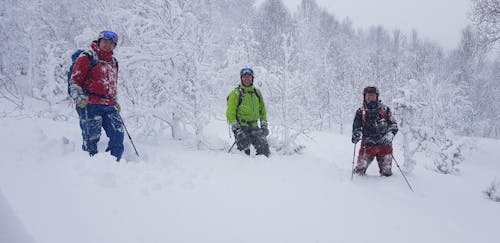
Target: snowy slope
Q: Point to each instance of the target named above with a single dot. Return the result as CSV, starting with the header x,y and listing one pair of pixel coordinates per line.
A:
x,y
179,194
11,229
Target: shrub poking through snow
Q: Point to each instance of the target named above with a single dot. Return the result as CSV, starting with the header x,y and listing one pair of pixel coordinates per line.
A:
x,y
493,191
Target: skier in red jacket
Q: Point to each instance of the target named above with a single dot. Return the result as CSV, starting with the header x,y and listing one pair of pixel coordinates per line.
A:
x,y
93,86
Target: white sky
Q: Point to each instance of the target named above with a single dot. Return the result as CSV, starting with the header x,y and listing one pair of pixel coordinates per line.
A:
x,y
438,20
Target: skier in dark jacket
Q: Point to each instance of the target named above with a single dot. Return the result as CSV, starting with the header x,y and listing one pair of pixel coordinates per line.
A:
x,y
375,127
94,90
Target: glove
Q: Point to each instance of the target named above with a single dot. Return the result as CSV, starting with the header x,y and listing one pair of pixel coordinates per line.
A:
x,y
264,129
238,132
118,108
82,101
356,136
387,139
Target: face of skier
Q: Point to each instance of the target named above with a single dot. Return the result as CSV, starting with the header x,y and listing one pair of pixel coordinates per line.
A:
x,y
370,97
247,79
106,44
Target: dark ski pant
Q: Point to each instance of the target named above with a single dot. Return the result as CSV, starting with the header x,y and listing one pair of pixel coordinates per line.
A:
x,y
252,136
368,153
92,118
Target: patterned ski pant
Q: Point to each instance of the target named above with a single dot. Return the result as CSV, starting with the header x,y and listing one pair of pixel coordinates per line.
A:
x,y
252,136
92,118
368,153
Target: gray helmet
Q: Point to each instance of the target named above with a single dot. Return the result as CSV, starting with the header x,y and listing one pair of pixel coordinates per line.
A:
x,y
246,71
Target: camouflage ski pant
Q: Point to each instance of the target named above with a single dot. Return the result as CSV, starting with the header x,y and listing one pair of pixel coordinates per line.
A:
x,y
252,136
95,117
368,153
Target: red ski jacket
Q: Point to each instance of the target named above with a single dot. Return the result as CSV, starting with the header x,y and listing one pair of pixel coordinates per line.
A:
x,y
101,82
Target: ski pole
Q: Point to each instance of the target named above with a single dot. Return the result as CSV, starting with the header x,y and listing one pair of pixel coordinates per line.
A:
x,y
402,172
353,156
232,146
86,124
229,129
133,145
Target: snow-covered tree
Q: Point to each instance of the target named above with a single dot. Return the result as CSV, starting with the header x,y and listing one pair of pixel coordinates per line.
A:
x,y
486,16
286,101
425,112
342,78
467,70
179,60
409,106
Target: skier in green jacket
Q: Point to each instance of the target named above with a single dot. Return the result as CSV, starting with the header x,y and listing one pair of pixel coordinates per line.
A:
x,y
245,109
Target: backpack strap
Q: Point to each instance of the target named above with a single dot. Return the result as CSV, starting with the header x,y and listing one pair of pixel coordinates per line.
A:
x,y
242,94
363,115
383,113
115,61
240,100
92,56
257,92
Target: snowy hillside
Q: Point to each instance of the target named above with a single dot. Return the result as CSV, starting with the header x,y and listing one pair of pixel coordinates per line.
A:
x,y
55,193
179,60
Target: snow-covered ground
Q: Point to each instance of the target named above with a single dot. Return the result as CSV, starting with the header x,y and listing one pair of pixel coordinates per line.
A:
x,y
52,192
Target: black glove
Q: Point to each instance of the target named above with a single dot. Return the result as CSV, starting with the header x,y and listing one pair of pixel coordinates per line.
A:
x,y
238,132
264,129
387,139
356,136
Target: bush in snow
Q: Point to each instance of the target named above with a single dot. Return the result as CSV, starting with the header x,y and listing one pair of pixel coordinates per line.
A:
x,y
447,152
449,156
493,192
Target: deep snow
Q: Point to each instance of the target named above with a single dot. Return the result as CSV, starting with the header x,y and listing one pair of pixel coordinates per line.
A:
x,y
54,193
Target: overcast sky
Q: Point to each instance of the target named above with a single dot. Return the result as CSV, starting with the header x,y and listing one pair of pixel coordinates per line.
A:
x,y
438,20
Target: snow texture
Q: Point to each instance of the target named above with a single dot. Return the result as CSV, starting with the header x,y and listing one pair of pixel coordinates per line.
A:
x,y
179,194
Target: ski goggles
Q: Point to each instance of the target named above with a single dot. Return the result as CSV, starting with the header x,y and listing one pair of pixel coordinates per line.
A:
x,y
108,35
246,71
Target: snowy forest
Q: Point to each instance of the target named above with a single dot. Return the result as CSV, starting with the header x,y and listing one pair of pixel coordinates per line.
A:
x,y
180,59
